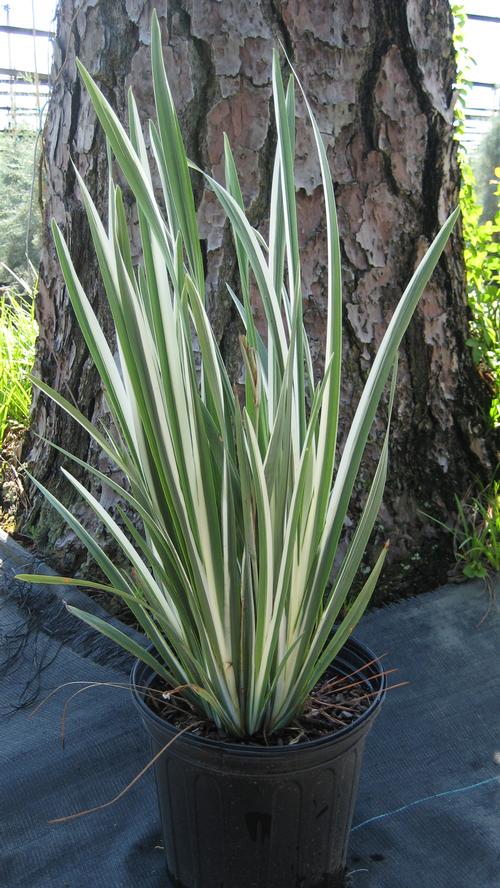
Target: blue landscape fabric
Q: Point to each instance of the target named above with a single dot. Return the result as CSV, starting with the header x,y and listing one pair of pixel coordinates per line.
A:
x,y
438,734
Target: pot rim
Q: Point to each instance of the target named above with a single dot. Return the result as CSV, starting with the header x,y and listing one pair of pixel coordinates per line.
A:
x,y
245,749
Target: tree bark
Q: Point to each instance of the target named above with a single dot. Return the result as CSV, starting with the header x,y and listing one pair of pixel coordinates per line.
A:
x,y
379,75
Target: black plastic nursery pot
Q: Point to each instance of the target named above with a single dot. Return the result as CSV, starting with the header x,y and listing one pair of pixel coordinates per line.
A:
x,y
240,816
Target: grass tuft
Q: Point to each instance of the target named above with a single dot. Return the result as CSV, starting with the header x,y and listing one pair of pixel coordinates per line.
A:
x,y
18,332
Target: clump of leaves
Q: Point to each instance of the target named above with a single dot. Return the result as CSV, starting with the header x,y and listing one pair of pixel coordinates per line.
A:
x,y
18,332
242,504
464,64
481,238
477,533
482,261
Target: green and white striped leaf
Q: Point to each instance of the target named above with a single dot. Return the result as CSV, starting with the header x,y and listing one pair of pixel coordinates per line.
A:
x,y
239,505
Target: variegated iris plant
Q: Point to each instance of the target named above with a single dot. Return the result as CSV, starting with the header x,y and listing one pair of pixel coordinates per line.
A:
x,y
241,505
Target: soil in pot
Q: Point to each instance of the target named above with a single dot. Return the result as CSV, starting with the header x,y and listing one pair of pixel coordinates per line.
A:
x,y
335,703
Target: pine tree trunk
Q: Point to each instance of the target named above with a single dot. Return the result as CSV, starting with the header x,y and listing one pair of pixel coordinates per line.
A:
x,y
379,75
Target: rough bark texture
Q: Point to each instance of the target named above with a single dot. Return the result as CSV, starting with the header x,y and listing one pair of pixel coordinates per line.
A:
x,y
379,74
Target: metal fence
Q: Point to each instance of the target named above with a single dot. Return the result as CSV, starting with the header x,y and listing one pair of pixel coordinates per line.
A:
x,y
24,78
24,93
